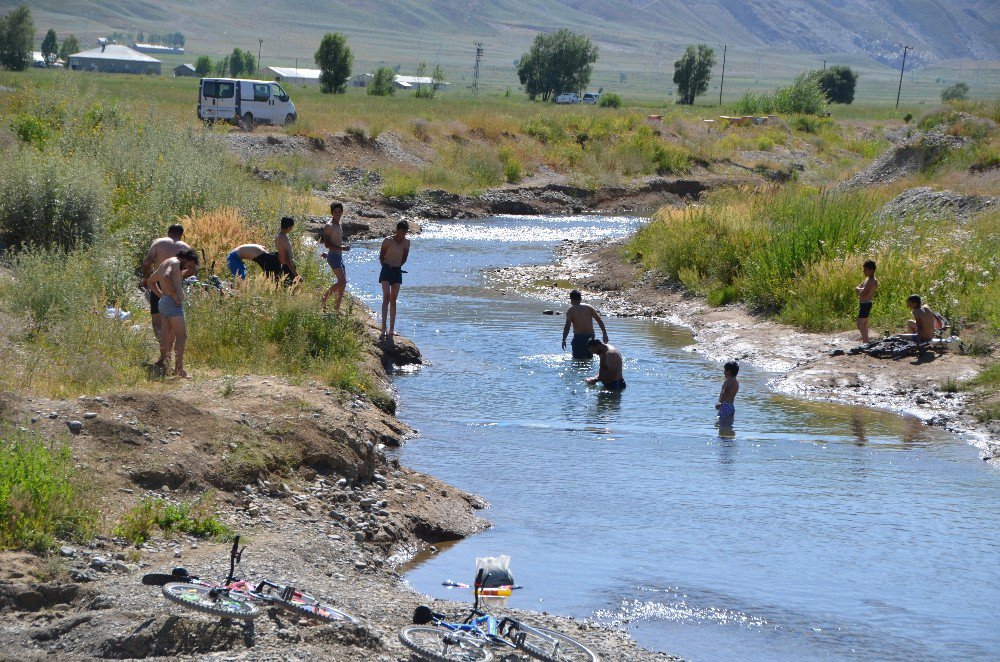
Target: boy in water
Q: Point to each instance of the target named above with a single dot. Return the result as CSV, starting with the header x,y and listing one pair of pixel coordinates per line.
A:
x,y
581,316
865,291
333,240
609,373
730,387
167,282
393,254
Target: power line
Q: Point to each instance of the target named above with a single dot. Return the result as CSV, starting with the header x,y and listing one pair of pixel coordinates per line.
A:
x,y
475,71
902,68
722,82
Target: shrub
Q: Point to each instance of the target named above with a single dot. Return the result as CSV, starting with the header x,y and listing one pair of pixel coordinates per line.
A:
x,y
611,100
957,92
398,184
216,233
31,130
804,96
40,500
195,518
383,82
512,169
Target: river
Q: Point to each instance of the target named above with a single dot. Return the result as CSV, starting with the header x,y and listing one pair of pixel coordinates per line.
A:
x,y
815,532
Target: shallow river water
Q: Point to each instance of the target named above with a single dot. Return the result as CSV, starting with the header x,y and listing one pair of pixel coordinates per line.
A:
x,y
816,532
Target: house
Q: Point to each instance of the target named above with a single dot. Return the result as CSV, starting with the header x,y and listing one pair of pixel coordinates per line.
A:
x,y
114,58
361,80
38,60
185,70
401,82
292,75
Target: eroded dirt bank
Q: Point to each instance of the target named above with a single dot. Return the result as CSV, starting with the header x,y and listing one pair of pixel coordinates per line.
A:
x,y
801,364
299,470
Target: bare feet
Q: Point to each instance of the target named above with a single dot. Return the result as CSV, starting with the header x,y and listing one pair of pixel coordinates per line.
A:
x,y
179,372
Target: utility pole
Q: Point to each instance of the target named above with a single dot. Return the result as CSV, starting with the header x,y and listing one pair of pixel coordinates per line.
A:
x,y
902,68
824,65
475,71
723,81
260,45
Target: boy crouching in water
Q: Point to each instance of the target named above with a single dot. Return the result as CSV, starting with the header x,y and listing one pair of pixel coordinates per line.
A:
x,y
730,387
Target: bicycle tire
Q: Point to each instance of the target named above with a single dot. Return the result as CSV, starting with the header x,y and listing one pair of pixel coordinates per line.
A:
x,y
432,644
319,611
569,649
200,598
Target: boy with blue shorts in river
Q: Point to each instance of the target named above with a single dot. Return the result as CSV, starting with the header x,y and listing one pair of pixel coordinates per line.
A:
x,y
581,316
333,241
730,387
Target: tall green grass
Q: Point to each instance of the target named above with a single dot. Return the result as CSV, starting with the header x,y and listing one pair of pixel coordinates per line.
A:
x,y
41,499
196,518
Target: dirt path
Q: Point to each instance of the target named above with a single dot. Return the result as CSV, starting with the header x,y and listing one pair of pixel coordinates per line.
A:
x,y
801,364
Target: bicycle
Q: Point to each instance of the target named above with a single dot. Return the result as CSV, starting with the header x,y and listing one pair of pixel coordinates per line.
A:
x,y
472,639
239,598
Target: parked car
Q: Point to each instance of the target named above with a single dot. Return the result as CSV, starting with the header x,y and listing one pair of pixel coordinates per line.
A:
x,y
244,102
591,97
568,97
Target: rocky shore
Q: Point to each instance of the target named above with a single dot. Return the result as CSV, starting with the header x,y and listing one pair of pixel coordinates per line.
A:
x,y
300,471
806,365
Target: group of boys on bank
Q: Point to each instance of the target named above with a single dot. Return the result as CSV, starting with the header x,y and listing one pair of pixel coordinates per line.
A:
x,y
170,260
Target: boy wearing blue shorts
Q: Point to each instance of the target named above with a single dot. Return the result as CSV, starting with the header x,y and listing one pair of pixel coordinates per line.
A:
x,y
333,240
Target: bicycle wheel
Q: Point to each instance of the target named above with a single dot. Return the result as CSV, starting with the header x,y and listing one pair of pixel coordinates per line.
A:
x,y
439,645
315,610
551,646
201,598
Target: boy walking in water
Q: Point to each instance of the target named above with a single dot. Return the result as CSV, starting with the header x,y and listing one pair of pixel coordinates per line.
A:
x,y
581,317
167,282
866,291
333,240
609,373
730,387
392,255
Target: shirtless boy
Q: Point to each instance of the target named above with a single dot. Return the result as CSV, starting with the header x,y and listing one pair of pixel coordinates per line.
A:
x,y
730,387
160,250
392,255
285,256
333,240
921,327
609,373
581,317
168,284
866,290
245,252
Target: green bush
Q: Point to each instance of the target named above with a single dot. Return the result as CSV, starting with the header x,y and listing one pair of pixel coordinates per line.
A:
x,y
383,83
804,96
957,92
194,518
611,100
40,501
31,130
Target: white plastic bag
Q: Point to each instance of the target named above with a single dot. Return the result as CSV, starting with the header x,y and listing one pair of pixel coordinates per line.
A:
x,y
494,579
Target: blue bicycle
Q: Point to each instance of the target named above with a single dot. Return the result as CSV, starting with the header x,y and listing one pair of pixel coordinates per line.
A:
x,y
432,637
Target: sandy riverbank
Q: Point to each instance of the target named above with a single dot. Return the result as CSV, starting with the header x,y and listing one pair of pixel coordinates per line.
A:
x,y
800,364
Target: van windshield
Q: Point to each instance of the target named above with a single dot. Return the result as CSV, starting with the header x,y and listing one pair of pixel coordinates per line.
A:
x,y
278,92
218,89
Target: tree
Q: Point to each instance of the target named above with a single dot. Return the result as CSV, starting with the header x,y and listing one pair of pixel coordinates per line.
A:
x,y
693,71
236,63
70,46
383,83
957,92
437,78
17,37
50,46
335,59
222,66
559,62
838,84
202,66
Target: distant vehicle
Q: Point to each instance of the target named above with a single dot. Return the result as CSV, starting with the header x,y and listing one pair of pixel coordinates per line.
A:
x,y
591,97
568,97
244,102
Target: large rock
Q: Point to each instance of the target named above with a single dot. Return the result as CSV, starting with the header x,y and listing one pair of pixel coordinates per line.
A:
x,y
925,202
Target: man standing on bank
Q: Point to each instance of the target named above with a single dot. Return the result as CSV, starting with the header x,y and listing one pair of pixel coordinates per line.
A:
x,y
333,241
581,317
392,255
167,281
159,251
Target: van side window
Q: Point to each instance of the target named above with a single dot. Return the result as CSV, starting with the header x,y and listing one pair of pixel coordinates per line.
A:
x,y
261,91
214,89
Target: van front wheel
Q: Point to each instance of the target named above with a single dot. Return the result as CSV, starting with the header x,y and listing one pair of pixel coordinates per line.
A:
x,y
289,118
247,122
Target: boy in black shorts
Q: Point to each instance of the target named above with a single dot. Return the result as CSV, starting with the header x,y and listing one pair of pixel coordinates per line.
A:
x,y
866,291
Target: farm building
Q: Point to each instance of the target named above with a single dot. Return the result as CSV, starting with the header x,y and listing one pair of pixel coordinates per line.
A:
x,y
401,82
184,70
114,58
292,75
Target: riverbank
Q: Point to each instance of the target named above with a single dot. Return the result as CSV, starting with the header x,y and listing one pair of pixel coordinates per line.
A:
x,y
801,364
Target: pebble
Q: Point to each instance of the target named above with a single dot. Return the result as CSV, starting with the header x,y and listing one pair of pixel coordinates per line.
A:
x,y
120,566
360,565
90,414
54,414
80,575
67,551
359,536
74,426
98,562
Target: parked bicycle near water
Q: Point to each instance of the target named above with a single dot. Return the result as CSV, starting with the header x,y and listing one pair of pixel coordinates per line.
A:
x,y
240,598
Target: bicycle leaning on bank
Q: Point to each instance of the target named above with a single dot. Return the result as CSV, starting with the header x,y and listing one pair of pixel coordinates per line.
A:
x,y
432,637
240,598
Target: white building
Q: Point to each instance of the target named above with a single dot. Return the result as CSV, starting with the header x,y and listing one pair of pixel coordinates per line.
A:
x,y
292,75
401,82
114,58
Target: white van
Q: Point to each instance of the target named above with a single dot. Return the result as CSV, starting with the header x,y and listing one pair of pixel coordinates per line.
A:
x,y
245,102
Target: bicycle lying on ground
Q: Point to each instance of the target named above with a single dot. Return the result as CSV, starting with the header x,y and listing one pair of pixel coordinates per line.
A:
x,y
434,638
239,598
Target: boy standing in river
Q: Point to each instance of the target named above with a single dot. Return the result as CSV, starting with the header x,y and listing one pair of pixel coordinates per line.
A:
x,y
730,387
866,291
581,317
393,254
333,241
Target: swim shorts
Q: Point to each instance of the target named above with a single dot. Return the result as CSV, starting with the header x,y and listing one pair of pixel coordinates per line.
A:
x,y
272,266
864,310
727,410
579,345
169,308
392,275
236,266
616,385
335,259
154,303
